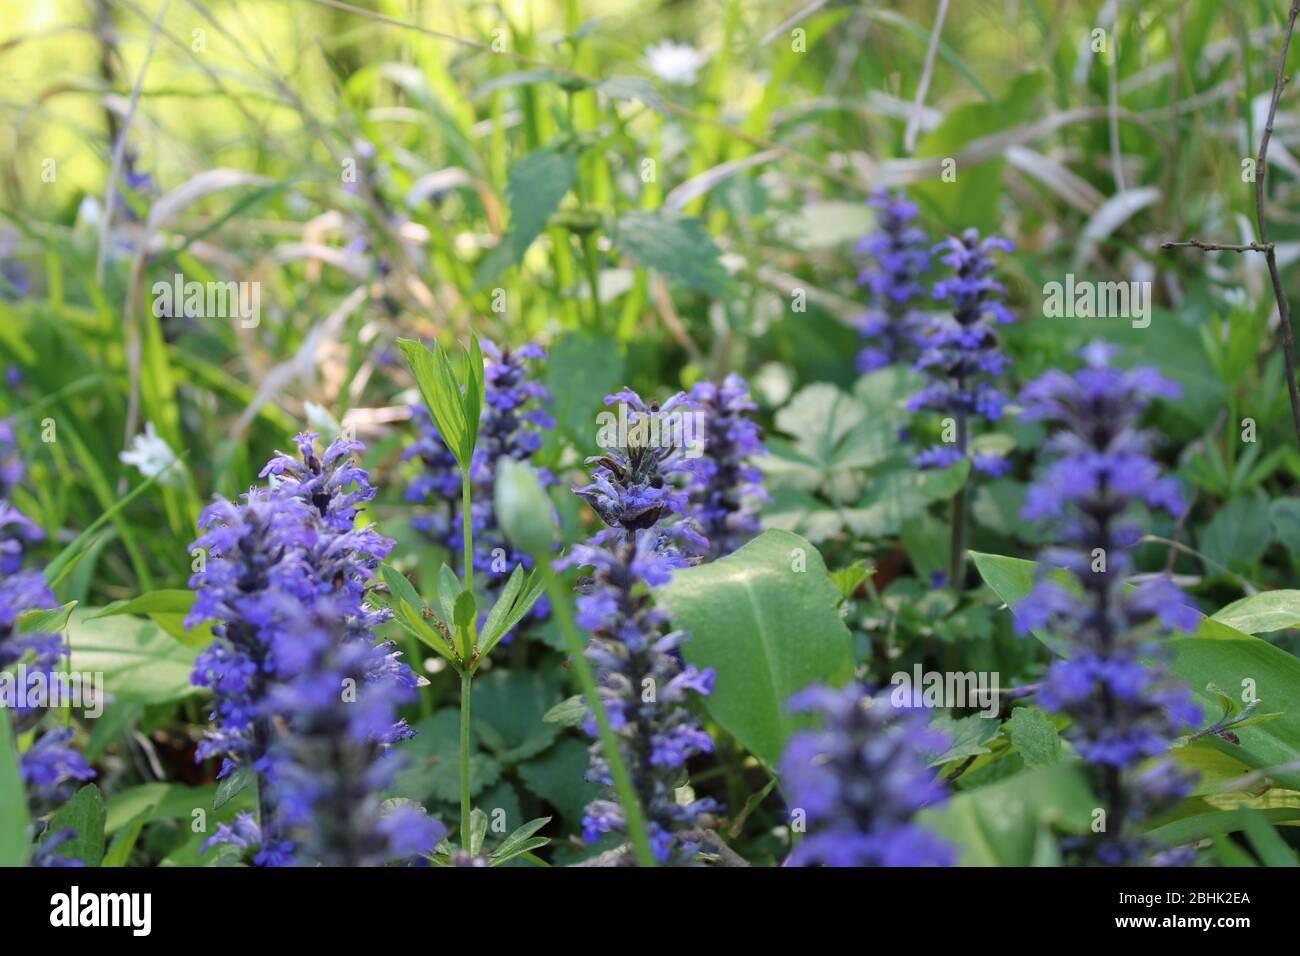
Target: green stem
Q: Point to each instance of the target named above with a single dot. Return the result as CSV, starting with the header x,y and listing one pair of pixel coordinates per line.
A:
x,y
957,554
632,811
467,655
465,679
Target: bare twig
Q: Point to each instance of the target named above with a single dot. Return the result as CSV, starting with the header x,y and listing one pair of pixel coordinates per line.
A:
x,y
918,107
1261,228
1218,246
1283,308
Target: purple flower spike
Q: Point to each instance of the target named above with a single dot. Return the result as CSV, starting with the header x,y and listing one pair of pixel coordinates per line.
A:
x,y
1124,706
859,780
897,263
631,648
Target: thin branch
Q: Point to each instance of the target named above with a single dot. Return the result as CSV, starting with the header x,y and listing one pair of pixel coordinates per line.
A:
x,y
1218,246
1261,228
1261,170
918,107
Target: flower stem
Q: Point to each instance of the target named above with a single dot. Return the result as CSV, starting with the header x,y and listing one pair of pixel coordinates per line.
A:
x,y
465,680
957,553
632,812
467,673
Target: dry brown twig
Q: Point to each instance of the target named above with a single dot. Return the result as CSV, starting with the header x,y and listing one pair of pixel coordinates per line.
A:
x,y
1261,229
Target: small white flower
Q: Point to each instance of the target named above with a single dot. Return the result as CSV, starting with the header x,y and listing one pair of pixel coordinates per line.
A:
x,y
675,62
319,420
153,456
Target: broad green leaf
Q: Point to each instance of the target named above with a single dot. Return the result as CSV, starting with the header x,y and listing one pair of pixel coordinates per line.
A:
x,y
1002,824
1238,533
15,848
676,246
139,660
166,608
171,801
1262,613
765,619
84,814
1215,654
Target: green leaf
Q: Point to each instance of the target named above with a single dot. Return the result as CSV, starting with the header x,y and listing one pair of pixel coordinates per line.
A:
x,y
633,88
558,778
15,846
569,712
971,200
1002,823
440,391
849,579
120,849
472,397
448,591
677,246
166,608
765,619
232,785
1238,533
45,620
581,369
1262,613
84,814
139,660
151,802
478,824
966,736
534,188
1215,654
509,707
432,762
520,841
1034,737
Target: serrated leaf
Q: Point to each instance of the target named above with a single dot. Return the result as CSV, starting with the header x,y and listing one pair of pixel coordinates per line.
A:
x,y
432,762
676,246
84,814
534,189
509,707
966,737
559,777
1034,737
